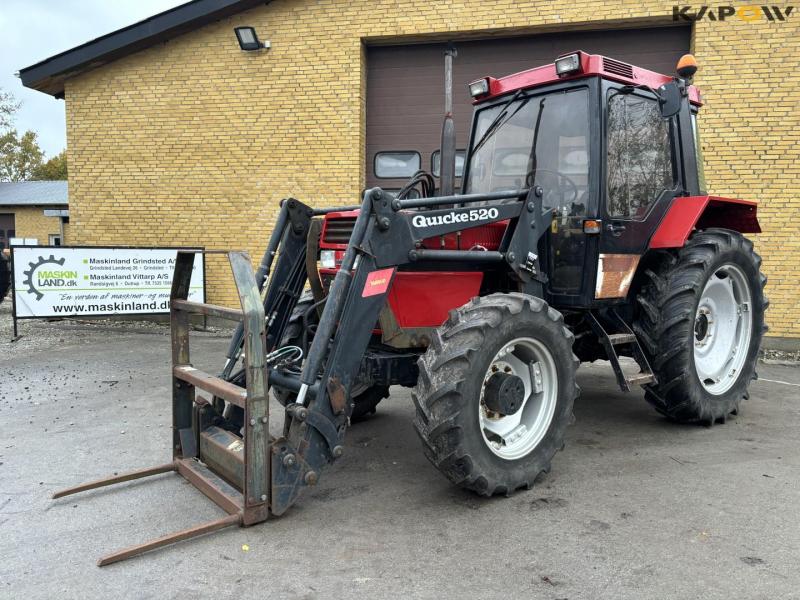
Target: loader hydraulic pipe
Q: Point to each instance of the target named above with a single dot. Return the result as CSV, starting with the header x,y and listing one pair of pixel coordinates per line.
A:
x,y
274,240
317,212
457,255
464,199
284,380
336,298
261,277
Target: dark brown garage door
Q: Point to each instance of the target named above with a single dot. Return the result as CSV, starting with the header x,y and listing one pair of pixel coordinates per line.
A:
x,y
405,86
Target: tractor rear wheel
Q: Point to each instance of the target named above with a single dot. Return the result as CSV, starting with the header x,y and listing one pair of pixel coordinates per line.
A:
x,y
495,392
304,317
700,320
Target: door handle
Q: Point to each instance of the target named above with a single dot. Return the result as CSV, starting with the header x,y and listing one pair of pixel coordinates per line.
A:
x,y
616,229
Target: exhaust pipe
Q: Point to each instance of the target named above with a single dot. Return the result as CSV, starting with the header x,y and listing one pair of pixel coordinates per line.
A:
x,y
447,156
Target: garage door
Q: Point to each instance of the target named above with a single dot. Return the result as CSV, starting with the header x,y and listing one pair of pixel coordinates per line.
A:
x,y
405,87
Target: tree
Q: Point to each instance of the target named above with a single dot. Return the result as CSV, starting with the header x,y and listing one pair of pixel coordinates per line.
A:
x,y
19,156
55,168
8,106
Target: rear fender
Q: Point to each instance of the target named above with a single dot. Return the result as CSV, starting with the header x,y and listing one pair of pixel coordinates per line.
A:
x,y
701,212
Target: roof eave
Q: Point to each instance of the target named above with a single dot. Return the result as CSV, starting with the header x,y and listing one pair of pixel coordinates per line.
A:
x,y
49,75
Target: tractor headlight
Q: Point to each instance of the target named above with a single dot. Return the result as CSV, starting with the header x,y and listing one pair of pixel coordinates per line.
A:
x,y
566,65
327,258
479,88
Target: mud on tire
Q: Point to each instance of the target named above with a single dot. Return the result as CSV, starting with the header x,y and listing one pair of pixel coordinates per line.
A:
x,y
666,324
448,392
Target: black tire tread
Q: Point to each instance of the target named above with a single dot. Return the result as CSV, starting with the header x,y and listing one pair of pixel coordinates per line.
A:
x,y
439,394
666,307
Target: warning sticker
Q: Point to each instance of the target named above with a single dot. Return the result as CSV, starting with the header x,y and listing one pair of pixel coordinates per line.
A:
x,y
377,282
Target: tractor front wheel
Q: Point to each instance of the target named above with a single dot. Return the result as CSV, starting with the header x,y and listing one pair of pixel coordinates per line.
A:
x,y
701,320
495,392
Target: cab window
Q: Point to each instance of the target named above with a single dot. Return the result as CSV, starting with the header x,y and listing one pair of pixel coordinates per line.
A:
x,y
639,155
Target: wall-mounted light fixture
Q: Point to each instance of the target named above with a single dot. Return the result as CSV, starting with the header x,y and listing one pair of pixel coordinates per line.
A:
x,y
248,40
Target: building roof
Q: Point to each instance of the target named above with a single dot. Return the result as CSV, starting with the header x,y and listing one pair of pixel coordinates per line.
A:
x,y
34,193
49,75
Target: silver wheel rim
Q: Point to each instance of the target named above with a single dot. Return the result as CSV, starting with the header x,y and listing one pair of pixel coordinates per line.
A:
x,y
512,437
722,329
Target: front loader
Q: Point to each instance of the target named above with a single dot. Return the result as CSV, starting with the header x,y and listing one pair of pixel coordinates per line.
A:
x,y
583,232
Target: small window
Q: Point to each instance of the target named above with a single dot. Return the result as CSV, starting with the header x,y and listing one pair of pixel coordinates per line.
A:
x,y
396,165
639,156
55,240
436,159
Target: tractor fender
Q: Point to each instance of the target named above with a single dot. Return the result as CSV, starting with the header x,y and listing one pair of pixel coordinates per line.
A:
x,y
701,212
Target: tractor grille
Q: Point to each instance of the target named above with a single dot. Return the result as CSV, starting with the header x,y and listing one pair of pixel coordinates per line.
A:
x,y
338,231
617,68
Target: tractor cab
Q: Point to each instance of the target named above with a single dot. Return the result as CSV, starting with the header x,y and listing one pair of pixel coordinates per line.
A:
x,y
605,145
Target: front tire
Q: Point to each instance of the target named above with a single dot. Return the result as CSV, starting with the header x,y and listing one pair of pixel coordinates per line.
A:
x,y
700,320
477,448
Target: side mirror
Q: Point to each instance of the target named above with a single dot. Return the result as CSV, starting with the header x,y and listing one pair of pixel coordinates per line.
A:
x,y
670,98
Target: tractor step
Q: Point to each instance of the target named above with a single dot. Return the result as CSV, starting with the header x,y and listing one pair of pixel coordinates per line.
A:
x,y
641,379
625,337
619,339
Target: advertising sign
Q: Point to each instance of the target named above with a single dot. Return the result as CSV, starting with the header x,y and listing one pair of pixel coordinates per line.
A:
x,y
62,281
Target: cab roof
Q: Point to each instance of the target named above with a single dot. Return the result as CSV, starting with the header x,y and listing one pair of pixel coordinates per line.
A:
x,y
591,65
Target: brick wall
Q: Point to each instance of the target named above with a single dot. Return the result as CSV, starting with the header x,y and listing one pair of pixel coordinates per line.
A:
x,y
30,222
194,142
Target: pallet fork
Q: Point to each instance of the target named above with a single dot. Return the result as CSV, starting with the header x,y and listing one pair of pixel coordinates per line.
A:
x,y
233,472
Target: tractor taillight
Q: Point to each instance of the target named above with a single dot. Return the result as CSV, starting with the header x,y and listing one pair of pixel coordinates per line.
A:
x,y
569,64
479,87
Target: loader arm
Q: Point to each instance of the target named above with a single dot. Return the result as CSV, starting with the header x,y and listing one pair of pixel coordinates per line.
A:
x,y
386,236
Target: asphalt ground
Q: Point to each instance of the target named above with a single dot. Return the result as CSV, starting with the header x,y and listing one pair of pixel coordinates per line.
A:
x,y
635,506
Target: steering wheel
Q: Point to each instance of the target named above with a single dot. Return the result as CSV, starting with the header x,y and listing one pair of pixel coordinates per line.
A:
x,y
551,191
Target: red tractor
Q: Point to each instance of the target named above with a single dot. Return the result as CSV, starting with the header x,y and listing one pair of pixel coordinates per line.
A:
x,y
583,231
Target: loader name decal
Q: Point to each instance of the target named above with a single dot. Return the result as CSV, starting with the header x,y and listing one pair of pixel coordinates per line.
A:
x,y
471,216
748,12
377,282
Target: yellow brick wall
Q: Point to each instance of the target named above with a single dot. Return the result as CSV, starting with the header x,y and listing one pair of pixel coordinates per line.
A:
x,y
750,129
30,222
195,142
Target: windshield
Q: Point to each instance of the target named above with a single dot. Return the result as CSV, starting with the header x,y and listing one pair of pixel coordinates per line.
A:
x,y
541,141
504,156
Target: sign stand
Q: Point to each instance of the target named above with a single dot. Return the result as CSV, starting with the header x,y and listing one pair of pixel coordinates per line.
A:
x,y
14,299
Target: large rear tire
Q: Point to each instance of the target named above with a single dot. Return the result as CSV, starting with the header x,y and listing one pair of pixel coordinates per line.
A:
x,y
523,342
700,318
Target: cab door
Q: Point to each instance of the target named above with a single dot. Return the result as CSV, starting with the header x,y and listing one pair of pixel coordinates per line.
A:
x,y
641,180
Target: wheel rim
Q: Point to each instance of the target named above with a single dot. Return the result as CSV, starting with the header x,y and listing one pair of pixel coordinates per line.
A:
x,y
512,437
722,329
